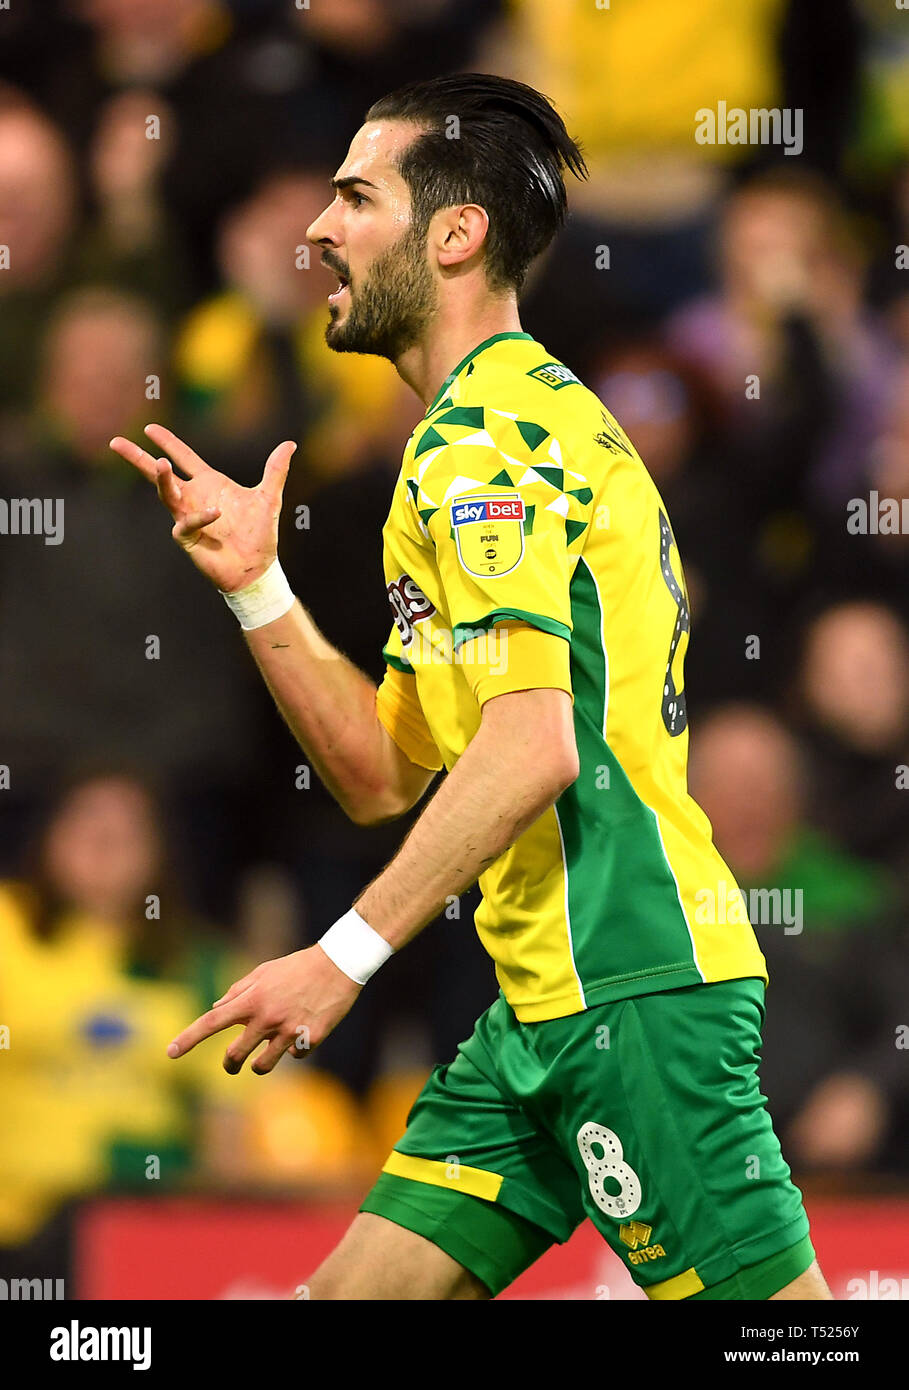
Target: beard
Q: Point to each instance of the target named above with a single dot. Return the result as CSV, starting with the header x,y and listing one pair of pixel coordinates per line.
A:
x,y
393,304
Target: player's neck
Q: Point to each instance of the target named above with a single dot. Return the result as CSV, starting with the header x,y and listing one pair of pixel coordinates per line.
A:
x,y
449,339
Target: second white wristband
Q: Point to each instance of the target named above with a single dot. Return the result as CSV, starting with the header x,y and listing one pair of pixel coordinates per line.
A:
x,y
355,947
265,599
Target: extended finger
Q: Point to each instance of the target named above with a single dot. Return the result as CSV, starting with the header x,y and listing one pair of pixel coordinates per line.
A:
x,y
136,455
207,1024
274,475
179,451
169,489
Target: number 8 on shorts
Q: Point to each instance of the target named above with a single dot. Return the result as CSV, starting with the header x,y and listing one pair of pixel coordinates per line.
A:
x,y
626,1201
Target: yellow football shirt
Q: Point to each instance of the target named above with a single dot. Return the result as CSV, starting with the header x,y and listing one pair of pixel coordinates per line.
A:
x,y
527,546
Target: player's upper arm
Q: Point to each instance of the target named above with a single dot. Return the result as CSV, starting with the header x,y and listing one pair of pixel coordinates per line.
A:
x,y
536,725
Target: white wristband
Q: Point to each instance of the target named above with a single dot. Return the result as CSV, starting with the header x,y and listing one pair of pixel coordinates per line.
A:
x,y
354,947
266,598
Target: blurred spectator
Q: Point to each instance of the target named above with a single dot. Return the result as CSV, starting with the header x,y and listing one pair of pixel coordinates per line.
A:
x,y
835,957
127,240
249,86
37,212
804,371
632,101
631,78
117,645
861,552
132,239
373,46
102,967
251,362
853,701
670,414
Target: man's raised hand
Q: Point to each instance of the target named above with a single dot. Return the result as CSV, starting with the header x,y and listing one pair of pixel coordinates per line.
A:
x,y
230,532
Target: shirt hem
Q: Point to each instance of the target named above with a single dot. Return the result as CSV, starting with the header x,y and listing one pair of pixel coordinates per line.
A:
x,y
608,991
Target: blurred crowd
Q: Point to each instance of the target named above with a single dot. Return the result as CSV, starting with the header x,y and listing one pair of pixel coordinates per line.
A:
x,y
743,313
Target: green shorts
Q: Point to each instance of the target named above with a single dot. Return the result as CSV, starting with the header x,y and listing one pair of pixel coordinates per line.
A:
x,y
644,1115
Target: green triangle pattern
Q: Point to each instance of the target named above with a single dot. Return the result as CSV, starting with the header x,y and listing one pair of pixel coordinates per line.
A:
x,y
551,474
414,486
472,415
583,494
532,435
426,514
529,513
431,439
501,479
573,529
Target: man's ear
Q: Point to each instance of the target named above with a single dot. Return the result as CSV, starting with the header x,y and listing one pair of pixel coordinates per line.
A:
x,y
457,233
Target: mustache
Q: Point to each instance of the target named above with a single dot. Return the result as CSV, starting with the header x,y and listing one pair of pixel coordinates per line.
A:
x,y
331,262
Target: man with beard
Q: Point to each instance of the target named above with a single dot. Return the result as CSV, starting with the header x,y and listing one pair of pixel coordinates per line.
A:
x,y
536,655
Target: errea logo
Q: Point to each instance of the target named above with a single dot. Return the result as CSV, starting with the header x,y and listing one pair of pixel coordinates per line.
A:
x,y
635,1233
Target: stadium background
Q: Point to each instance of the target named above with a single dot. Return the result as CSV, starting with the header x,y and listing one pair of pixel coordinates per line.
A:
x,y
159,832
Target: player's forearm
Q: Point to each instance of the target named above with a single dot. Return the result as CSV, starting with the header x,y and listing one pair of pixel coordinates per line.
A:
x,y
497,789
329,706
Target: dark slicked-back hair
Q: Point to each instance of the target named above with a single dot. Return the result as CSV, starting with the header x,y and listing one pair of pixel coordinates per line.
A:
x,y
491,141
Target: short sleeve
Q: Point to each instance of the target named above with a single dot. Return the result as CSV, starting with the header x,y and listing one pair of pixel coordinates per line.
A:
x,y
515,656
400,712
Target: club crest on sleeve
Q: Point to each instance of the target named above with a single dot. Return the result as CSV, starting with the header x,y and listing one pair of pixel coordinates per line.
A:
x,y
489,533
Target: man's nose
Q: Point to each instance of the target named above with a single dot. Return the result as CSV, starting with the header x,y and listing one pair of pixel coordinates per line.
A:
x,y
320,230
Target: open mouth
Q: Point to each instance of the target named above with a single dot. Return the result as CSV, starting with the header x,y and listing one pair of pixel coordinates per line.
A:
x,y
343,288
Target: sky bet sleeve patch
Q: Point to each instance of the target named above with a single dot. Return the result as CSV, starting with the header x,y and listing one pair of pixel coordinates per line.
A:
x,y
489,532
